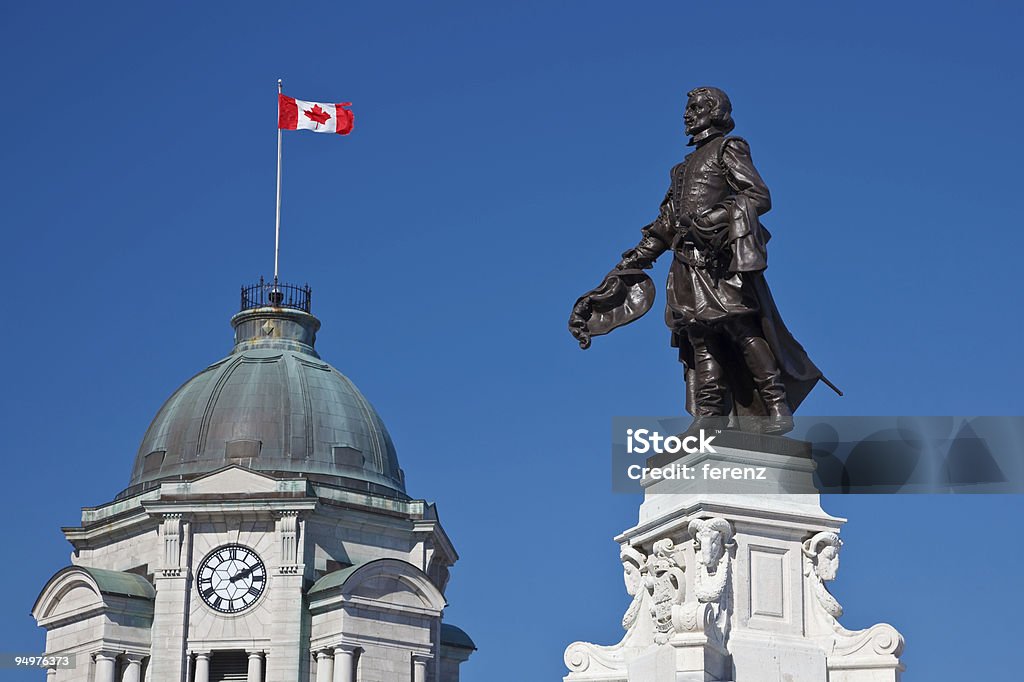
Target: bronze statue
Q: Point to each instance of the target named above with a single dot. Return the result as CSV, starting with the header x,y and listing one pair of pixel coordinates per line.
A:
x,y
738,356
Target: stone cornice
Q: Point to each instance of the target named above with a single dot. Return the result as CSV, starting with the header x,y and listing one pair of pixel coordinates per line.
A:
x,y
678,519
252,505
444,543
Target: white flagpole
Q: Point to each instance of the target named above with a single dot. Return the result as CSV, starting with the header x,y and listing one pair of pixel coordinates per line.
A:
x,y
277,224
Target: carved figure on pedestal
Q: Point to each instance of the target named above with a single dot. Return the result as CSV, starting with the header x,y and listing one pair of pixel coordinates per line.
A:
x,y
845,648
821,565
712,542
713,547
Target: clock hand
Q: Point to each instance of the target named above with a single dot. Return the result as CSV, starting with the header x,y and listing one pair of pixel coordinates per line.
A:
x,y
243,574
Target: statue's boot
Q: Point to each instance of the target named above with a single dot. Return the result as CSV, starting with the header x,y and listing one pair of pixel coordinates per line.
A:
x,y
709,396
764,369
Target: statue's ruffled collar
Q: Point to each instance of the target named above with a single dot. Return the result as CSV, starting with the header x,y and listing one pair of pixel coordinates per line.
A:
x,y
706,135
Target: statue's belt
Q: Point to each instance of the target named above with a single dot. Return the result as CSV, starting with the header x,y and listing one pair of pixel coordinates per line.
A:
x,y
691,249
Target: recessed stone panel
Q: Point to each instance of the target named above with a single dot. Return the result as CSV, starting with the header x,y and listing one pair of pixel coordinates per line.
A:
x,y
767,582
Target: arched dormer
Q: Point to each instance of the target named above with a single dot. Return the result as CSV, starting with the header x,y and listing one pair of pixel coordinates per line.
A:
x,y
102,618
381,615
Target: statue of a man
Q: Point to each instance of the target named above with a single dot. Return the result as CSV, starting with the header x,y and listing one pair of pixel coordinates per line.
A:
x,y
738,356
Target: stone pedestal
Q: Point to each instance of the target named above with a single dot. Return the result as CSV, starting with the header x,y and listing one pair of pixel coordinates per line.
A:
x,y
728,580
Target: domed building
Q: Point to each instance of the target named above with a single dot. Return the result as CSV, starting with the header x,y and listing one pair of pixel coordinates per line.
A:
x,y
265,534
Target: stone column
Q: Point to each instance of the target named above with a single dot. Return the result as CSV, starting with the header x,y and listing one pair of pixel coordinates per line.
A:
x,y
255,667
106,665
132,668
202,667
51,675
324,666
344,664
419,667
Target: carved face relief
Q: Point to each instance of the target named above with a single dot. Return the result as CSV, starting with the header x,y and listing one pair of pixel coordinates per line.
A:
x,y
828,563
822,551
634,564
697,116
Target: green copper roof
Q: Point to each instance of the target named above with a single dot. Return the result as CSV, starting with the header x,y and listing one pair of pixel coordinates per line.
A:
x,y
333,579
272,405
456,637
120,583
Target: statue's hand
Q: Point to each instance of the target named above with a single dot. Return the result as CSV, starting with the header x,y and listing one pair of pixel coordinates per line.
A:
x,y
578,323
715,216
631,260
627,262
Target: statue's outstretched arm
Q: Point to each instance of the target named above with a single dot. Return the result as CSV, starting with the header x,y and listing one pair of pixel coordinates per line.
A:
x,y
655,240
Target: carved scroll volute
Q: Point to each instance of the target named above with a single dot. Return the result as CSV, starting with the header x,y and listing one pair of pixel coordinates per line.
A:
x,y
821,564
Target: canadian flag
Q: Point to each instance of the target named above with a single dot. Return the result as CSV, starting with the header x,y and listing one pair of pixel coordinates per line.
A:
x,y
294,114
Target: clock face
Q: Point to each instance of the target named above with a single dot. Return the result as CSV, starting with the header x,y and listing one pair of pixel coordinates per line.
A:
x,y
230,579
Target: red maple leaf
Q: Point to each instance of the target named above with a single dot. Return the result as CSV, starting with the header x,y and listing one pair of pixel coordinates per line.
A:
x,y
317,114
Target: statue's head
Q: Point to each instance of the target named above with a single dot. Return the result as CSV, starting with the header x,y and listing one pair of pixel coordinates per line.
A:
x,y
707,108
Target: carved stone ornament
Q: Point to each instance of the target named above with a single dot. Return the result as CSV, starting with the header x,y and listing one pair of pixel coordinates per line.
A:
x,y
712,545
666,584
634,565
821,564
659,610
170,529
288,532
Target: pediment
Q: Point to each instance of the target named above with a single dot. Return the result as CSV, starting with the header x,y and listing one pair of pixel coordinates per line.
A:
x,y
231,480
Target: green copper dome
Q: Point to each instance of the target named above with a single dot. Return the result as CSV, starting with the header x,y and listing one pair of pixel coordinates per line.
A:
x,y
271,405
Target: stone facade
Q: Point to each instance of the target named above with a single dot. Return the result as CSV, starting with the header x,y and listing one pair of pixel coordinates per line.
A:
x,y
350,594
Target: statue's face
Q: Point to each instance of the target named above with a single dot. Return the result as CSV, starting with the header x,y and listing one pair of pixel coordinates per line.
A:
x,y
697,116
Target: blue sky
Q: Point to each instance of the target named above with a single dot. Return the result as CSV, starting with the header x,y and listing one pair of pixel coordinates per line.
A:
x,y
503,156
